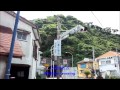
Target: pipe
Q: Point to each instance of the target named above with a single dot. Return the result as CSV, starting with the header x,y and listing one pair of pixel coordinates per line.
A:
x,y
8,67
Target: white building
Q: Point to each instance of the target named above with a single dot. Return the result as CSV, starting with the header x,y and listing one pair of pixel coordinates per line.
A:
x,y
28,40
115,31
109,63
40,67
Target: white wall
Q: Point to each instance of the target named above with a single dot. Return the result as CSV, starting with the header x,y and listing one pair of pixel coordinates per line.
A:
x,y
9,21
39,60
108,67
32,70
26,46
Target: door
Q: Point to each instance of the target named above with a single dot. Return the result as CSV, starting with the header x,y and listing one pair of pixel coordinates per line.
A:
x,y
19,72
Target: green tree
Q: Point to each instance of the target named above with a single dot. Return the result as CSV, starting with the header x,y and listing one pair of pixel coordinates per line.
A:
x,y
80,44
86,72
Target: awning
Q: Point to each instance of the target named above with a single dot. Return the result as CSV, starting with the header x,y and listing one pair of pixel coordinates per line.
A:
x,y
5,42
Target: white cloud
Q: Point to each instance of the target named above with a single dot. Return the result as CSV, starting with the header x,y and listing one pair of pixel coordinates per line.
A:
x,y
107,18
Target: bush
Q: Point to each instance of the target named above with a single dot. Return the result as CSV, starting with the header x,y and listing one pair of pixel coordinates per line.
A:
x,y
87,73
38,76
114,77
106,76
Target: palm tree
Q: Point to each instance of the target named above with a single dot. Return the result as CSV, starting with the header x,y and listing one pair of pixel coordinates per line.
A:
x,y
87,73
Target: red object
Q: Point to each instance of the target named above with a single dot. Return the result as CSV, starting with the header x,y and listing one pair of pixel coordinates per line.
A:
x,y
64,61
5,43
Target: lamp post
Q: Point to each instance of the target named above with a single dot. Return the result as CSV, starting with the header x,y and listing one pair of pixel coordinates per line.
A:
x,y
72,60
52,64
72,57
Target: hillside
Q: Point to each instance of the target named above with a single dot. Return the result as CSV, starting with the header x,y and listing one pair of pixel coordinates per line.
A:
x,y
79,44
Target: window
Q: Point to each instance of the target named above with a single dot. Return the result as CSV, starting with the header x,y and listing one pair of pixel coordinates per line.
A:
x,y
112,72
81,71
35,51
20,74
102,62
109,58
21,35
108,62
83,65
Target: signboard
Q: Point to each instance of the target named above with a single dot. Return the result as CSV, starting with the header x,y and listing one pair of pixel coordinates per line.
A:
x,y
64,61
72,31
83,66
46,65
57,48
44,60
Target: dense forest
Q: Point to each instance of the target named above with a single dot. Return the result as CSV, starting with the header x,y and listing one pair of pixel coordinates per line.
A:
x,y
79,44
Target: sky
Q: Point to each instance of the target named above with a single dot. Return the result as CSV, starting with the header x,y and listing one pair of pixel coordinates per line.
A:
x,y
106,18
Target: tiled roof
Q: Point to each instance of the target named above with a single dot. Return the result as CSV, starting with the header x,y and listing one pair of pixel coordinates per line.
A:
x,y
5,42
109,54
12,13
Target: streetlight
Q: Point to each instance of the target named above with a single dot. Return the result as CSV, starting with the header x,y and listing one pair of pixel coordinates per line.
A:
x,y
72,57
52,62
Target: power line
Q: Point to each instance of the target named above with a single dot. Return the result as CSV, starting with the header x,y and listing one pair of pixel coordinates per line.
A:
x,y
97,18
119,22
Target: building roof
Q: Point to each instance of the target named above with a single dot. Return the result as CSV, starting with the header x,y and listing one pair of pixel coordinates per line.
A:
x,y
22,19
109,54
12,13
84,61
5,42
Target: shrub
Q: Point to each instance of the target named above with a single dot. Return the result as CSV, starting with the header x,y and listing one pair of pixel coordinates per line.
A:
x,y
38,76
106,76
87,73
114,77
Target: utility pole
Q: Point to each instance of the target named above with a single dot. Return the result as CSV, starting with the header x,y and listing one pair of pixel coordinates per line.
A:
x,y
57,57
60,37
117,56
93,53
116,49
94,59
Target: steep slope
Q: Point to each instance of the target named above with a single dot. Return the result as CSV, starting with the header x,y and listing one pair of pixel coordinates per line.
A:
x,y
79,44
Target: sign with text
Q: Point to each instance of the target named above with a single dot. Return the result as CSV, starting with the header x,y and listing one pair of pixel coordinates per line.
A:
x,y
57,47
44,60
64,61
